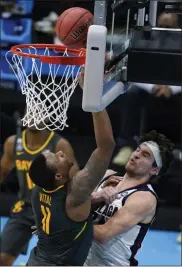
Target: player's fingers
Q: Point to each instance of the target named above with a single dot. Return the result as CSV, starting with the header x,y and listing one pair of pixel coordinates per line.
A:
x,y
156,87
160,93
34,227
110,182
113,198
112,194
114,181
108,195
106,198
155,90
119,179
81,77
82,70
109,190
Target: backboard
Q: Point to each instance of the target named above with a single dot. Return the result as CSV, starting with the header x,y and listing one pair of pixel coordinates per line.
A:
x,y
101,87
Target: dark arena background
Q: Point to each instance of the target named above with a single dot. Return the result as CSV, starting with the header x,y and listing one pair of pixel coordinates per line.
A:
x,y
33,21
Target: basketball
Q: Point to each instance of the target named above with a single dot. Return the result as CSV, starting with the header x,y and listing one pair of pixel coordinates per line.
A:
x,y
72,27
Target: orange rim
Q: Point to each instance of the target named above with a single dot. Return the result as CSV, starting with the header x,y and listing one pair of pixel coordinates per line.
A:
x,y
78,57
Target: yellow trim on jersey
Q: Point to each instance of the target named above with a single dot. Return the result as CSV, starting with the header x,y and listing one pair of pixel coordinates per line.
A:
x,y
81,231
52,191
18,206
19,153
46,219
33,152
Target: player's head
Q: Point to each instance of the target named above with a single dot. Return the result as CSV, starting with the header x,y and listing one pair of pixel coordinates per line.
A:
x,y
152,156
50,170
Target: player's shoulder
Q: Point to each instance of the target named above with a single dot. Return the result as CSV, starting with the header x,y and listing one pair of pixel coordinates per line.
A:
x,y
146,198
146,195
10,142
146,192
11,139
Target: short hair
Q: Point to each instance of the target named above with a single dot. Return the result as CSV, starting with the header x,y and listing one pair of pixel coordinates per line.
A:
x,y
165,146
41,174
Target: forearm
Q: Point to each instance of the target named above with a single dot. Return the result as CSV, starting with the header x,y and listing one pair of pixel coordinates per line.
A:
x,y
103,130
84,183
86,180
103,233
100,234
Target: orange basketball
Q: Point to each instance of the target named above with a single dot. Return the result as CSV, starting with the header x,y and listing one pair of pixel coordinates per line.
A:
x,y
72,27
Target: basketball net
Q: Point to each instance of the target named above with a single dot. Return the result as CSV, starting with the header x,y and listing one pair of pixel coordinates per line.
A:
x,y
47,97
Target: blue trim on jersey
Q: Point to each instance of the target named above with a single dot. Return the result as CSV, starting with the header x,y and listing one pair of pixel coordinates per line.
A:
x,y
137,244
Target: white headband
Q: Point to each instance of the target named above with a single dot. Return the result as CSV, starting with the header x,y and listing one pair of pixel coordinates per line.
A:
x,y
153,146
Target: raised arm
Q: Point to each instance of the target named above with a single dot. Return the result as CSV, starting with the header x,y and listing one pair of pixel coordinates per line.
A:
x,y
83,184
7,160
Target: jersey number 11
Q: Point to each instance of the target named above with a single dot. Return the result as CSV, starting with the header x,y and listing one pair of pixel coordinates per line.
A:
x,y
46,219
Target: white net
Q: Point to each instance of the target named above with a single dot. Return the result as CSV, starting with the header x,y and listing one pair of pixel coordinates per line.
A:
x,y
47,97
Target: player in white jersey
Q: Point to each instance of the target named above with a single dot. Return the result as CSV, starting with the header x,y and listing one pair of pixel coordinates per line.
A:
x,y
121,225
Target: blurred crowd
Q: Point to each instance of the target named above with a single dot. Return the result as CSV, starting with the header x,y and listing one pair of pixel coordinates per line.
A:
x,y
141,96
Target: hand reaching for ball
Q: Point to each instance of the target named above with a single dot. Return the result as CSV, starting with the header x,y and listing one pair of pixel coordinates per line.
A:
x,y
162,91
81,77
82,73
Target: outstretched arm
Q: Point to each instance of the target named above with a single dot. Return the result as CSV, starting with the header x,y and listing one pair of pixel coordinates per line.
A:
x,y
83,184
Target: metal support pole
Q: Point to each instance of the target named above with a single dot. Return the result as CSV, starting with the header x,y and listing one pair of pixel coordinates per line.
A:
x,y
153,13
141,17
100,12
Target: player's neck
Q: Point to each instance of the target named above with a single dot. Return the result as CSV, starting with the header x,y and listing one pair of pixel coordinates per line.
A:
x,y
129,181
34,139
62,182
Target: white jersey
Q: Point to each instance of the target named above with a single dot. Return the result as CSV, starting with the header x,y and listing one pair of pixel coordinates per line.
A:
x,y
121,249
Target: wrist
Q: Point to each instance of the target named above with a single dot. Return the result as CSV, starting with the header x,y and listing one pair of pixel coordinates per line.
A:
x,y
95,114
